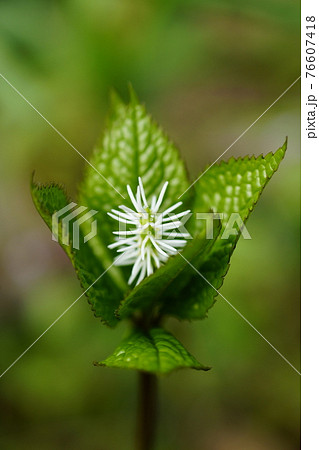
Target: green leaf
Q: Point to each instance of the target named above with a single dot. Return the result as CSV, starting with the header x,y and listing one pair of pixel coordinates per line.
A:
x,y
104,296
155,351
166,283
133,146
230,187
49,199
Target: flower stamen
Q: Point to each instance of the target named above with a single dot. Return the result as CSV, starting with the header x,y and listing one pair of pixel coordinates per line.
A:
x,y
152,241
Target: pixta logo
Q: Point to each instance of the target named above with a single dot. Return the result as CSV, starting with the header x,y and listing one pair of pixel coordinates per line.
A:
x,y
66,223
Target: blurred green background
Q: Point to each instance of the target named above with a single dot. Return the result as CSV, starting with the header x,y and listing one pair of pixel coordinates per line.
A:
x,y
206,70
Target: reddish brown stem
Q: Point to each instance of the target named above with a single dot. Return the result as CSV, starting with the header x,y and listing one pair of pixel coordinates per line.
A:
x,y
147,411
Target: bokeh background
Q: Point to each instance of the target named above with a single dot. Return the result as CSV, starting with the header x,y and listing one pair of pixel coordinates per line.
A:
x,y
206,70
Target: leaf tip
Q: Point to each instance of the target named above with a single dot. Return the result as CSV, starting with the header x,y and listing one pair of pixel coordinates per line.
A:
x,y
97,364
205,368
115,98
133,96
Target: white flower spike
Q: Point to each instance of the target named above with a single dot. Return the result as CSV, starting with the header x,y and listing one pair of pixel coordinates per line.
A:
x,y
150,240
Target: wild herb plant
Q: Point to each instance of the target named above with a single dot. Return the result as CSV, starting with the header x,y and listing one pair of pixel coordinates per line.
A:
x,y
136,175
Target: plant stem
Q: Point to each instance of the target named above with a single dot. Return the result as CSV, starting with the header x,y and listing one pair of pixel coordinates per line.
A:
x,y
147,411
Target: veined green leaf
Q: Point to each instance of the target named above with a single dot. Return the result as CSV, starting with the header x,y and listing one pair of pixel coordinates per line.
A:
x,y
230,187
155,351
104,295
133,146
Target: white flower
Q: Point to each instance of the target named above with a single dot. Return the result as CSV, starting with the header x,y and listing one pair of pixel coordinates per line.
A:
x,y
150,240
